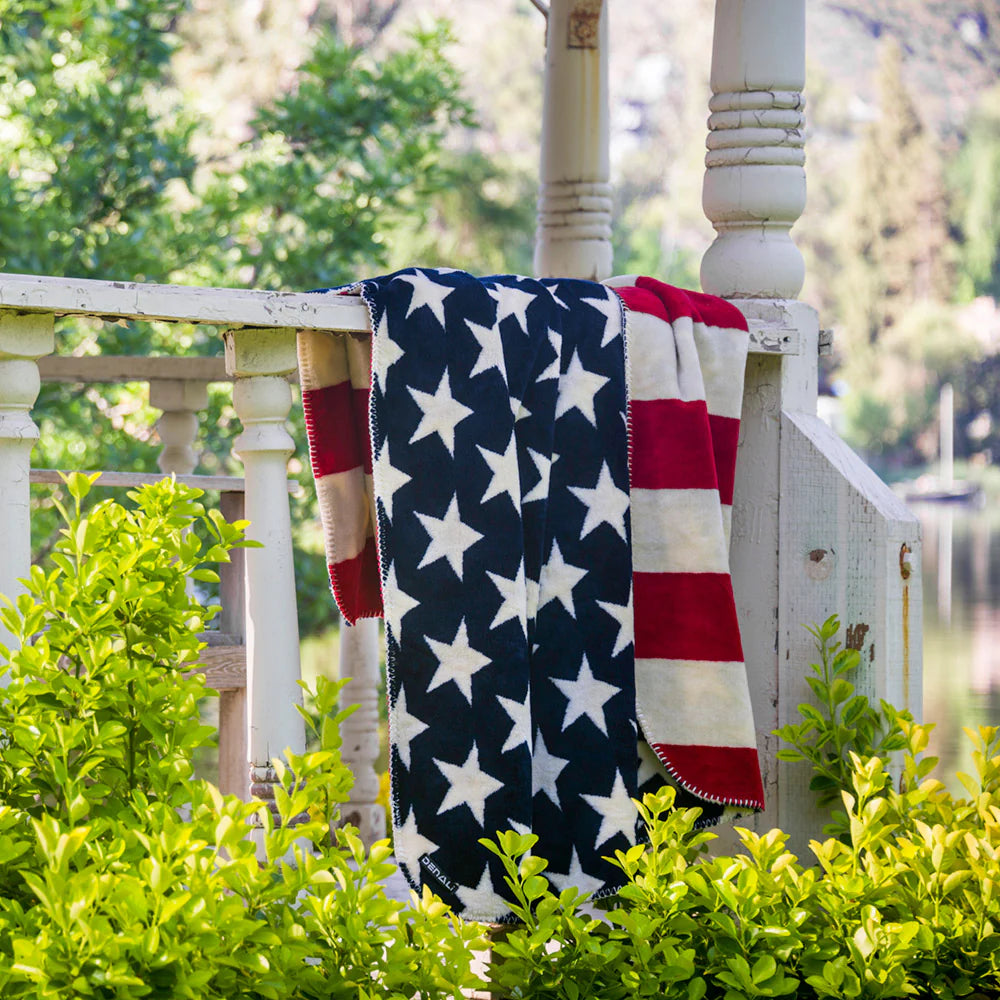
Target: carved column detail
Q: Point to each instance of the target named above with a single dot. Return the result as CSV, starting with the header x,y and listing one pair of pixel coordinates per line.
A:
x,y
359,660
24,337
755,184
814,530
259,359
573,238
180,401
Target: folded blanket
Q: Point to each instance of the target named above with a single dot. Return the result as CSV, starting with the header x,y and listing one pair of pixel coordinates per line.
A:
x,y
688,354
505,519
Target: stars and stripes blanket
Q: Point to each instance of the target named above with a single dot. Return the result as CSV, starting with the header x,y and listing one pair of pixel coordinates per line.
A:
x,y
531,481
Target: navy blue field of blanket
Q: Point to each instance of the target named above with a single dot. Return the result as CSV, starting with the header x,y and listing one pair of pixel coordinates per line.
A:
x,y
498,414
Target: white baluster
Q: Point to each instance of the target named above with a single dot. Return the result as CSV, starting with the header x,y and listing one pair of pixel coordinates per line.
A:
x,y
259,359
573,238
180,401
24,337
359,660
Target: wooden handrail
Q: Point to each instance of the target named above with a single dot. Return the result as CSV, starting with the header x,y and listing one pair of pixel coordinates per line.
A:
x,y
242,307
229,307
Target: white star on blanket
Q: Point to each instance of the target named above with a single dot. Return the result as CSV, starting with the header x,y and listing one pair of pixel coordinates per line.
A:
x,y
512,302
442,413
426,292
466,778
457,661
450,537
605,504
586,696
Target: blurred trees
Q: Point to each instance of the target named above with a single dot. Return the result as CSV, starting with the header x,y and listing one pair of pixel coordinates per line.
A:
x,y
902,267
104,180
976,181
303,143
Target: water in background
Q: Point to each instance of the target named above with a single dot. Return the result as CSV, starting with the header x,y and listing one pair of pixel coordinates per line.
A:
x,y
961,578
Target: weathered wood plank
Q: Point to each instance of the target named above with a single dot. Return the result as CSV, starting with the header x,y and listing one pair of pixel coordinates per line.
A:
x,y
131,368
130,480
178,303
214,639
754,563
224,667
234,771
849,547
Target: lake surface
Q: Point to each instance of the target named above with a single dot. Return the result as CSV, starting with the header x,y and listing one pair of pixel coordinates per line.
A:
x,y
961,578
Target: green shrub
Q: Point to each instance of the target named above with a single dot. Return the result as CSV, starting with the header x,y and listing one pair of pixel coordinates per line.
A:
x,y
122,876
908,907
905,901
844,724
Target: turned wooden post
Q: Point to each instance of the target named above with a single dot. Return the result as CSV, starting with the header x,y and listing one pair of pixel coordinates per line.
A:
x,y
180,400
814,530
24,338
573,238
234,778
359,660
259,359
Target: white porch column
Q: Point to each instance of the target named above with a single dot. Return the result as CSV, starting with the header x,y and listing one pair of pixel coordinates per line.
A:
x,y
815,532
24,338
259,359
573,238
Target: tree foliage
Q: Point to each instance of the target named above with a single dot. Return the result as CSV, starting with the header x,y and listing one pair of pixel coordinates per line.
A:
x,y
976,181
108,178
894,249
898,339
91,142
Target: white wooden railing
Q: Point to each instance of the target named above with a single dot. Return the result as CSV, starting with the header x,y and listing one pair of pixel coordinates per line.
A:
x,y
254,659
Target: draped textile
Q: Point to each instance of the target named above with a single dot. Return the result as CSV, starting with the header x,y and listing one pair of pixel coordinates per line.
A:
x,y
538,459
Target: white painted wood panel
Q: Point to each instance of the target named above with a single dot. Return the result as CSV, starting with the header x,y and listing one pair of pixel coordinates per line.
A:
x,y
849,547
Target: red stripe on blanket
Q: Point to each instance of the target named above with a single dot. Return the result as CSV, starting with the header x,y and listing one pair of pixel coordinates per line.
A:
x,y
356,585
686,616
671,445
725,774
359,403
340,413
725,438
642,300
714,311
707,309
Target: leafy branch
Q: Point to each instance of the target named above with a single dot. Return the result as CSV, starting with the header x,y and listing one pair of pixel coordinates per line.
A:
x,y
844,723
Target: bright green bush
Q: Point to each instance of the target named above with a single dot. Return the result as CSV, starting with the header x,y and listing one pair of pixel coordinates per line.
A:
x,y
844,724
120,875
907,903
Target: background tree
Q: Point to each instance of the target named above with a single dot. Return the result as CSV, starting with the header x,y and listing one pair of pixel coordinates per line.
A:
x,y
109,177
975,180
896,339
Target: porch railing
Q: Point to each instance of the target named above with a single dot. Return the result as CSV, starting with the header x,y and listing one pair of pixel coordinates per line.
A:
x,y
254,657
